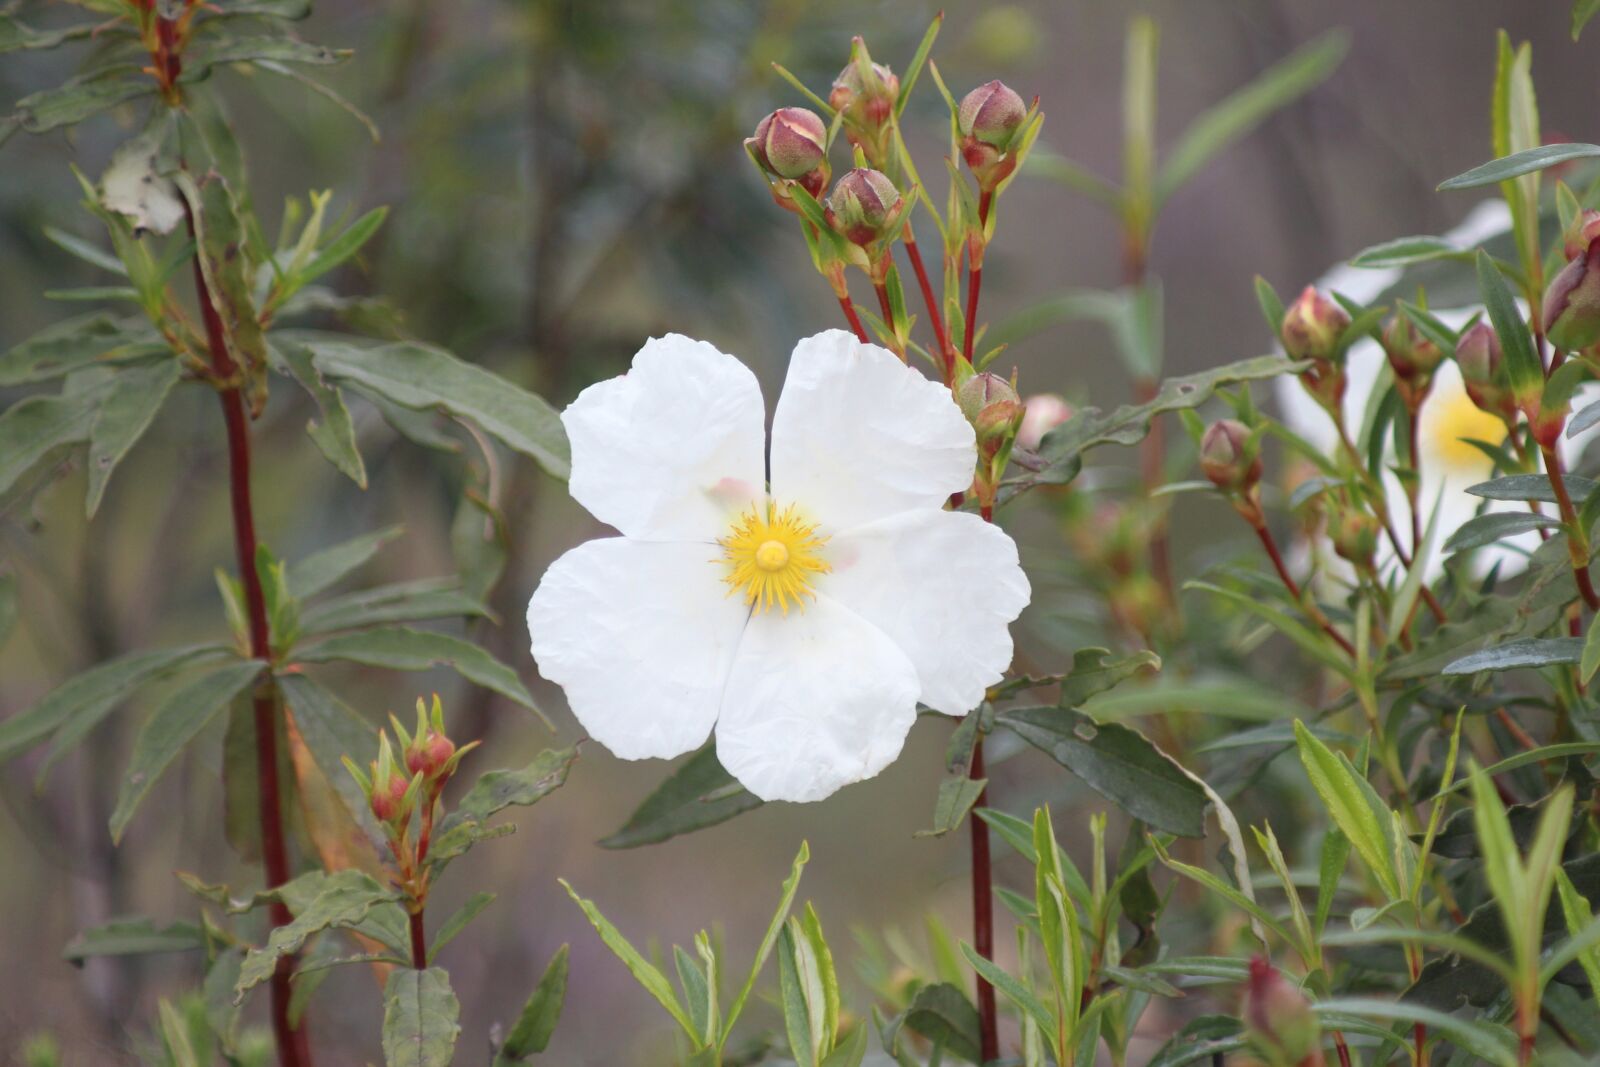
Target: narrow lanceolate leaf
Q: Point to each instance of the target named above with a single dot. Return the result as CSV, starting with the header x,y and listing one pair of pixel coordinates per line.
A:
x,y
1582,12
1589,659
452,927
1531,487
493,793
698,794
957,794
420,1014
1528,652
1354,806
942,1014
1403,251
172,726
81,98
133,937
335,435
86,698
785,901
76,343
128,411
644,972
1095,670
427,598
33,428
539,1016
400,648
323,568
344,900
1520,163
1483,530
331,730
1117,762
424,378
254,49
1523,369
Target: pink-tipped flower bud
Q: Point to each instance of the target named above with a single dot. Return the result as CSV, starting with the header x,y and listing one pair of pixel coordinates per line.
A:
x,y
1483,370
1042,413
992,113
865,91
1281,1026
1572,302
1413,357
1581,234
388,798
1354,534
790,143
1312,327
863,205
991,404
1228,456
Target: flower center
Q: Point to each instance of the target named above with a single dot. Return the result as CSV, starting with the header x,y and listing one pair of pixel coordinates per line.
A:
x,y
771,556
1450,421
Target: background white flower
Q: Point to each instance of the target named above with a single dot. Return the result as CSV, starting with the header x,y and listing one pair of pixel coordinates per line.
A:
x,y
1448,463
805,625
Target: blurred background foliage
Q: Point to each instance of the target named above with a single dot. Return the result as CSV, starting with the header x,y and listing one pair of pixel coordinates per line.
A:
x,y
566,179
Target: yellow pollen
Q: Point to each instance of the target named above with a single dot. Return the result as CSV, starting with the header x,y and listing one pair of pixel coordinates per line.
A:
x,y
771,556
1449,421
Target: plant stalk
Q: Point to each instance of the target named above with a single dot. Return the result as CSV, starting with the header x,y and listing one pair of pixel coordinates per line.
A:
x,y
1577,537
983,913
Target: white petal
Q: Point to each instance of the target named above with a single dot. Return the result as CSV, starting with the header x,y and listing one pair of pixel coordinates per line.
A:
x,y
674,449
817,700
944,586
859,436
641,636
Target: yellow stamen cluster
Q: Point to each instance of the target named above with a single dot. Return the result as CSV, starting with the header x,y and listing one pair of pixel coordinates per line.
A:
x,y
771,557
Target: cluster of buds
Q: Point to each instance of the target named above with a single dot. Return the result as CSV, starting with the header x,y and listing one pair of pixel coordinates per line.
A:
x,y
1572,302
1230,458
791,148
1412,357
1280,1024
865,94
990,120
996,412
1313,330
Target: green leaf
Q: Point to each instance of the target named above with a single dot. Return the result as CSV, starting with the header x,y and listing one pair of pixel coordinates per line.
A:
x,y
82,98
416,601
942,1014
1271,304
1242,111
128,411
38,425
644,972
797,995
400,648
335,435
420,1018
1117,762
344,899
253,49
83,700
17,37
1095,670
1589,659
76,343
1486,529
700,793
1524,372
537,1022
1227,892
1582,12
1528,652
1487,1041
494,792
1520,163
1542,754
457,922
1530,487
176,722
331,730
1014,990
1353,805
424,378
8,613
1404,251
957,794
342,247
323,568
133,937
1515,123
785,900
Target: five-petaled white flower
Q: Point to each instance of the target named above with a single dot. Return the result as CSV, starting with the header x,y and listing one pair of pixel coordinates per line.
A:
x,y
805,621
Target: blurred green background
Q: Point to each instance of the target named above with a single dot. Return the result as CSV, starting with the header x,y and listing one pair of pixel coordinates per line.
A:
x,y
566,179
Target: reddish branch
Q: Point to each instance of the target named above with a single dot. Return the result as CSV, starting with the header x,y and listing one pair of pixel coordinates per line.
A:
x,y
975,273
1309,605
983,914
941,335
854,319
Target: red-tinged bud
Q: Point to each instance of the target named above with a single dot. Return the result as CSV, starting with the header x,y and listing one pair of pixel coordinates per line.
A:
x,y
388,798
1581,234
1313,326
1041,414
992,406
1572,303
1229,458
865,91
864,205
790,143
992,114
1483,370
1413,356
1354,534
1281,1026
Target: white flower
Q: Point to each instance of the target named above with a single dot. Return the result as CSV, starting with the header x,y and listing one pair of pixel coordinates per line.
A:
x,y
806,622
1448,420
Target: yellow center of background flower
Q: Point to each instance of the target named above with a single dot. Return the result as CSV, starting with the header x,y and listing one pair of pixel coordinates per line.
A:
x,y
771,557
1449,421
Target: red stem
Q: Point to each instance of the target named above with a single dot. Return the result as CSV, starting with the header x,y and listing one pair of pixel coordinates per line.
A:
x,y
975,276
1577,537
941,336
419,942
293,1048
854,319
983,914
1271,545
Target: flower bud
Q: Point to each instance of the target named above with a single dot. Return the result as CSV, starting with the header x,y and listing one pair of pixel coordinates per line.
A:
x,y
1042,413
1572,303
790,142
1312,327
1483,370
992,114
1584,229
388,798
1228,456
863,205
1413,357
865,91
992,406
1281,1026
1354,534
